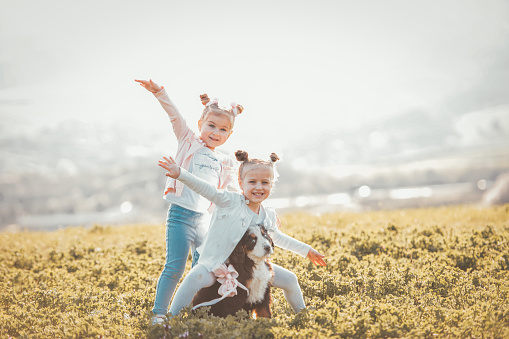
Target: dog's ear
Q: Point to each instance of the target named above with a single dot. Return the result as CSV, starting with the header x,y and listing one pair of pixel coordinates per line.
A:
x,y
266,234
238,255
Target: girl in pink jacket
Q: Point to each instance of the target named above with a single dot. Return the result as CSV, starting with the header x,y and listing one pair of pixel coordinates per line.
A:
x,y
189,213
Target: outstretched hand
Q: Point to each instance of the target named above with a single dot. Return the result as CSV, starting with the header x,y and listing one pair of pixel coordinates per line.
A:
x,y
170,165
149,85
316,258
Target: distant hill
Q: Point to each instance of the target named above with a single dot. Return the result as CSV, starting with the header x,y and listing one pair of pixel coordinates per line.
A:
x,y
83,169
410,136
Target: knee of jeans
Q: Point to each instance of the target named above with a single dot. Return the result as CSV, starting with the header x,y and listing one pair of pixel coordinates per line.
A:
x,y
171,269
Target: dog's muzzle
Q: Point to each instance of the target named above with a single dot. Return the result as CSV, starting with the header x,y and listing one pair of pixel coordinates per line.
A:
x,y
268,249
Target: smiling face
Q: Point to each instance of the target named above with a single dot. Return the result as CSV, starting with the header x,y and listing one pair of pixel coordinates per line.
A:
x,y
256,182
215,129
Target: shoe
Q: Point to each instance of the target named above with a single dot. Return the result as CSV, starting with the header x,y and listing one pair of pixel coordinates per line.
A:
x,y
158,319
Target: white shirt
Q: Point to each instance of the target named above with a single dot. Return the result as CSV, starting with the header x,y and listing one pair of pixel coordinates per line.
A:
x,y
206,165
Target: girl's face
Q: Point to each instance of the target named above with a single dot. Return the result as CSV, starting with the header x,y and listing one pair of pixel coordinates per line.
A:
x,y
215,130
256,183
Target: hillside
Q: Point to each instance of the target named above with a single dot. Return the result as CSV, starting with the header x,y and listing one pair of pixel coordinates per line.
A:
x,y
80,174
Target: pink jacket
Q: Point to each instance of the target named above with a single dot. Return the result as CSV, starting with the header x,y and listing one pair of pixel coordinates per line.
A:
x,y
188,144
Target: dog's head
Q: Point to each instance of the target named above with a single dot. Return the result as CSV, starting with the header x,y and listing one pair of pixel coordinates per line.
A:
x,y
256,244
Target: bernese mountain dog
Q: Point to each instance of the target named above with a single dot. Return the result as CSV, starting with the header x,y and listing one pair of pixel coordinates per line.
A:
x,y
250,260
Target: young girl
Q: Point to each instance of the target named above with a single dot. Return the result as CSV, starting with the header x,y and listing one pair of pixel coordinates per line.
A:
x,y
234,213
188,218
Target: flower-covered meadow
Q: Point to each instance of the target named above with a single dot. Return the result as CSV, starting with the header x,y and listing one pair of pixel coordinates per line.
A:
x,y
428,273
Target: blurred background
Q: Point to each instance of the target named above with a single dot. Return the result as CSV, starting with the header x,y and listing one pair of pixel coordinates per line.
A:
x,y
369,104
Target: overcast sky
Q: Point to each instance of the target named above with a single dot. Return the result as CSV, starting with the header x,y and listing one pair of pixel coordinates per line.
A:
x,y
298,67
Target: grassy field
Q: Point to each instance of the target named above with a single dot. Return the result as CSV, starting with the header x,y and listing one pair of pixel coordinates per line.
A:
x,y
428,273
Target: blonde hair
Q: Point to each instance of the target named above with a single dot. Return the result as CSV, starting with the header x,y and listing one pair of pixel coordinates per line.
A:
x,y
213,107
243,157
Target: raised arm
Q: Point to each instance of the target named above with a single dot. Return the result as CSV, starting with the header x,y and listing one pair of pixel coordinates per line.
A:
x,y
219,197
179,124
149,85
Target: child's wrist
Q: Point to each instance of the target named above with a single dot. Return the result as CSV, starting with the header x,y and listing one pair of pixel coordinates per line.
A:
x,y
179,173
158,90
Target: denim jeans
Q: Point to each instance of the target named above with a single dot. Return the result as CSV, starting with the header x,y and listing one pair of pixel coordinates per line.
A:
x,y
185,229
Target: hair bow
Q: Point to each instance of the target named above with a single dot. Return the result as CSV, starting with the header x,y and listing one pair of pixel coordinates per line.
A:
x,y
227,277
213,101
235,110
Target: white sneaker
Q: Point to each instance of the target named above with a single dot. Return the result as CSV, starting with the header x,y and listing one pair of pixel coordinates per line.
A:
x,y
158,319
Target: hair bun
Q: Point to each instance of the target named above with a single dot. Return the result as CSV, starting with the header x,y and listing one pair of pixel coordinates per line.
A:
x,y
274,157
204,99
241,155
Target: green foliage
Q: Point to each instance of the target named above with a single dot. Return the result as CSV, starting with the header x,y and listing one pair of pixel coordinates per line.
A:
x,y
424,273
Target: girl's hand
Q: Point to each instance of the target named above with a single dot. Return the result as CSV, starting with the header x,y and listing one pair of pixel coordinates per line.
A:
x,y
316,258
170,165
150,85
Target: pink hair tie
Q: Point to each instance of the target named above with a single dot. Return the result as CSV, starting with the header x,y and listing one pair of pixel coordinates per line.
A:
x,y
235,110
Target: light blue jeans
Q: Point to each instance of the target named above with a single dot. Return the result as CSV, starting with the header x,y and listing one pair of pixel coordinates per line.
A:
x,y
185,229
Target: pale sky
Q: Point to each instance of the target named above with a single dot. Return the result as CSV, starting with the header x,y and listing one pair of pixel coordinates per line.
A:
x,y
298,67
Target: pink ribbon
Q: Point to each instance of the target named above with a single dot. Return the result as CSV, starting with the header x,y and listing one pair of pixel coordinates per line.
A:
x,y
227,277
235,110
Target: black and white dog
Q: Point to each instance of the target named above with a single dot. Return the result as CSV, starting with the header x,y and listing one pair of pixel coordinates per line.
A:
x,y
250,260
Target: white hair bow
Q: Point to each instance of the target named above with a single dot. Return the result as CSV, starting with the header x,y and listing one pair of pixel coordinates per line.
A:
x,y
213,101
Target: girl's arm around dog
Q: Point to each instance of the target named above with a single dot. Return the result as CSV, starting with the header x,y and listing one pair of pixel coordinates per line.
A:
x,y
219,197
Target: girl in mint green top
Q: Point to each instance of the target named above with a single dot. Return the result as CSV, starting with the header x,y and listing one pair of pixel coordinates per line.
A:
x,y
234,213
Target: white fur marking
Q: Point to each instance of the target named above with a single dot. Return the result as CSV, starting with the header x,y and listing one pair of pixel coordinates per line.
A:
x,y
262,276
